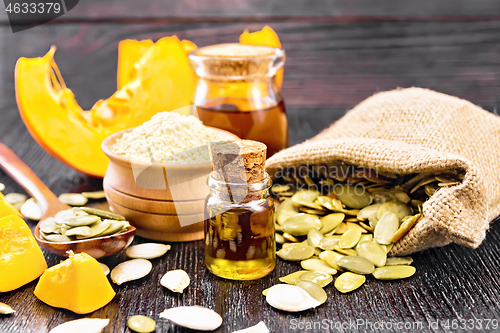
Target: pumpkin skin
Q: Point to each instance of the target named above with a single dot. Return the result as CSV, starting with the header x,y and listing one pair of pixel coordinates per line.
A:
x,y
21,259
77,284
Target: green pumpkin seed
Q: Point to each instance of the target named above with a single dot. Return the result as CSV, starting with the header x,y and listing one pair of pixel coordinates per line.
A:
x,y
366,227
393,261
312,211
289,238
329,203
357,264
341,228
317,265
141,324
314,237
387,247
300,224
280,239
330,222
292,278
373,252
6,309
14,198
58,238
73,199
350,238
278,188
347,252
366,238
314,290
306,198
355,225
398,208
348,282
79,231
49,225
329,242
405,227
94,195
102,214
425,181
401,196
79,221
277,226
331,258
386,227
285,210
114,227
296,252
353,196
322,279
97,229
394,272
369,212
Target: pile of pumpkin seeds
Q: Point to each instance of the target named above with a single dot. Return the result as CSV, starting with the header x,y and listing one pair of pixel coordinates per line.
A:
x,y
81,223
342,218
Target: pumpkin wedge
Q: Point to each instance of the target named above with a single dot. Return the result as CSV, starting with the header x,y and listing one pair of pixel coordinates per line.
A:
x,y
129,51
77,284
21,260
162,80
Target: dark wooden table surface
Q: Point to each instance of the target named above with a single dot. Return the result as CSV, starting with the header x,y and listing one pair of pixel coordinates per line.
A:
x,y
339,52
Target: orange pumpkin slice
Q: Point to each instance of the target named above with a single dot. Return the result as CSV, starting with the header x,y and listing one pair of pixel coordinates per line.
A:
x,y
21,260
77,284
161,80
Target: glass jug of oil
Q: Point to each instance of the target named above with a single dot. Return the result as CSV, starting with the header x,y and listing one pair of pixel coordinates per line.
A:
x,y
238,92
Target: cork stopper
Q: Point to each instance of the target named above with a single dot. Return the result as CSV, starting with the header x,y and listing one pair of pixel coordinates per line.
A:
x,y
239,161
236,61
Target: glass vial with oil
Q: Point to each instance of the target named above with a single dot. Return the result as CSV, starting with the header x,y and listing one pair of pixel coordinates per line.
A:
x,y
239,212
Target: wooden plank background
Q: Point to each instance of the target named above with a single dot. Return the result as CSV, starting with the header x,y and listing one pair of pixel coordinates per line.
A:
x,y
339,52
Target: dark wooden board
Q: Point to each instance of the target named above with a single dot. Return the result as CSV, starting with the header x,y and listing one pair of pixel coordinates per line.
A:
x,y
330,68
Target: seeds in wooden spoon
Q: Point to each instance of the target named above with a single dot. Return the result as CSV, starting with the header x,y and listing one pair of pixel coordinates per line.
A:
x,y
114,227
393,272
94,195
78,231
31,210
357,264
58,238
73,199
373,252
102,214
87,325
105,268
292,278
176,280
320,278
14,198
348,282
290,298
97,229
314,290
49,225
131,270
141,324
147,250
392,261
194,317
259,328
6,309
317,265
79,221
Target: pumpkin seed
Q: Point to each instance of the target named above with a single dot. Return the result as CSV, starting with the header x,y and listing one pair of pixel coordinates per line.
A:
x,y
79,231
394,272
2,187
306,198
290,298
131,270
141,324
6,309
176,280
49,225
329,242
259,328
114,227
277,226
296,252
317,265
347,282
105,268
387,247
147,250
285,210
264,292
320,278
366,227
405,227
280,239
97,229
31,210
353,196
401,196
331,258
79,221
94,195
314,290
278,188
312,211
341,228
14,198
350,238
58,238
102,214
206,319
87,325
425,181
347,252
366,238
330,222
386,228
61,216
300,224
314,237
369,212
329,203
289,237
393,261
373,252
73,199
292,278
398,208
357,264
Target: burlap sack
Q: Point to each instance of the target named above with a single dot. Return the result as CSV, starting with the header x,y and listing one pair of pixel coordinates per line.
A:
x,y
418,130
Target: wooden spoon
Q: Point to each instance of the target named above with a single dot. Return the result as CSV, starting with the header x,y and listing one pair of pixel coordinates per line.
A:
x,y
50,205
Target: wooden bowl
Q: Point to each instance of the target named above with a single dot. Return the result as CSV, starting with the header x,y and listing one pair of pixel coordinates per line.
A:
x,y
163,201
96,247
